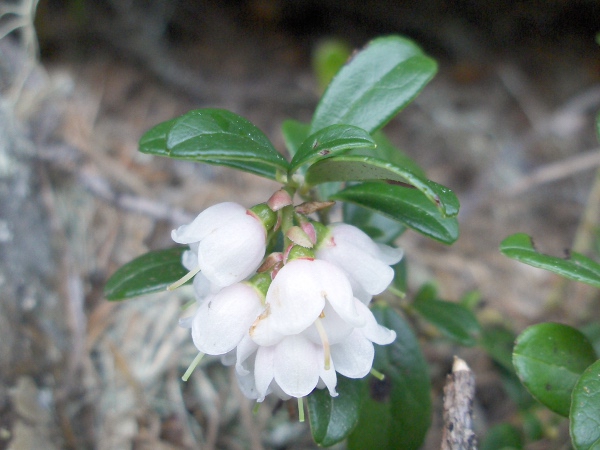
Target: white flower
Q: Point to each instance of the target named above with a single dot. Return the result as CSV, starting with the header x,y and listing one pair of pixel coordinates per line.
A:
x,y
228,240
365,262
312,326
296,364
223,319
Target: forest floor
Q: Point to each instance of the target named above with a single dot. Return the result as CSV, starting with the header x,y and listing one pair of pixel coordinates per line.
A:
x,y
512,132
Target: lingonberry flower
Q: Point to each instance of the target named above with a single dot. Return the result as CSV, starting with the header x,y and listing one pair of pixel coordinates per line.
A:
x,y
365,262
228,240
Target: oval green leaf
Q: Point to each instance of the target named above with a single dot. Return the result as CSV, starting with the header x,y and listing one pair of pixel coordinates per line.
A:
x,y
405,205
397,411
330,141
219,137
452,319
332,419
359,168
154,141
577,267
585,410
549,358
149,273
375,85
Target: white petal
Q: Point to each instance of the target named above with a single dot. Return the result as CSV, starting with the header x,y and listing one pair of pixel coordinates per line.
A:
x,y
372,330
223,319
353,358
328,377
296,365
264,370
228,359
245,349
247,385
296,296
390,255
202,287
233,252
207,221
189,258
262,331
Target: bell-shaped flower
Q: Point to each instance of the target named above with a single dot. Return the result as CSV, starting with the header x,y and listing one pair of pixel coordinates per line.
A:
x,y
298,295
223,319
228,240
365,262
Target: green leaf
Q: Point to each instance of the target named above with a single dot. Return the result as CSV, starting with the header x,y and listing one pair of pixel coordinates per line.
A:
x,y
330,141
294,133
219,137
359,168
453,320
154,141
405,205
333,418
585,410
146,274
397,412
388,152
375,85
578,267
502,436
378,227
549,358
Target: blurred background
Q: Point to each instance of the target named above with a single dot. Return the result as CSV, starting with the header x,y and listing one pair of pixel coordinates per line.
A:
x,y
508,124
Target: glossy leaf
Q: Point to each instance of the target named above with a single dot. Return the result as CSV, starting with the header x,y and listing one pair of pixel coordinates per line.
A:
x,y
389,152
405,205
397,412
378,227
149,273
375,85
333,418
330,141
452,319
360,168
577,267
549,358
294,133
585,410
216,136
154,141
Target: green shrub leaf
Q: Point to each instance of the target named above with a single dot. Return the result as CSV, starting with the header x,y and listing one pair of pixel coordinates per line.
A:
x,y
359,168
577,267
333,418
405,205
549,358
215,136
375,85
146,274
585,410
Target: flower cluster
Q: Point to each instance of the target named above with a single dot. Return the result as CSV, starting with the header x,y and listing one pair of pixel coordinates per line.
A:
x,y
293,319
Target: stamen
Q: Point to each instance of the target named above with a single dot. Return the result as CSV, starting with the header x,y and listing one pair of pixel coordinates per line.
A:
x,y
188,304
300,409
193,365
325,341
256,408
184,280
377,374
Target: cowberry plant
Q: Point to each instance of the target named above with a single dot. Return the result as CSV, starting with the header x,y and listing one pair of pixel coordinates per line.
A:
x,y
292,300
557,363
